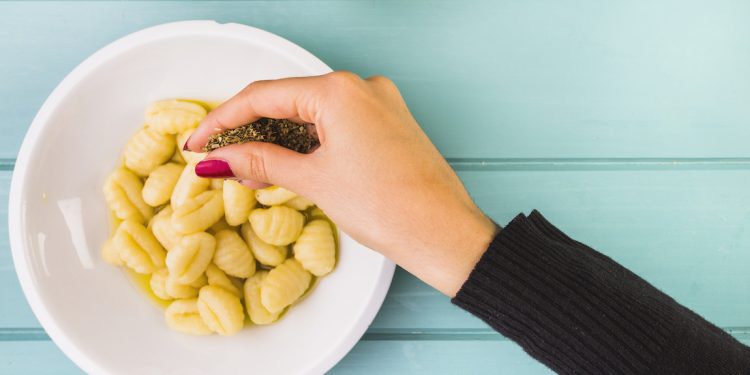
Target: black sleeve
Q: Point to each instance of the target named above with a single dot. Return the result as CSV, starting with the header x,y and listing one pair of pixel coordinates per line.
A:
x,y
579,312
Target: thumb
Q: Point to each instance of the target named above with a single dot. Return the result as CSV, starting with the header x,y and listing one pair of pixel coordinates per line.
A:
x,y
257,163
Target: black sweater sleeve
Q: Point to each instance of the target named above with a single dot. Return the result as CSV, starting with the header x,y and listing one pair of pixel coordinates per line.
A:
x,y
579,312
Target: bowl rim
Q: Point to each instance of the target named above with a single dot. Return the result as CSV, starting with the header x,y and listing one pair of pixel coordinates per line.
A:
x,y
20,175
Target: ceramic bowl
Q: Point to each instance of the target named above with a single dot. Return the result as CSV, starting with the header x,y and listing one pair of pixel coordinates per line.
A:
x,y
58,218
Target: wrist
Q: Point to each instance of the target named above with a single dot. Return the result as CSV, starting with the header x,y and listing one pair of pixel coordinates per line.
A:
x,y
447,259
478,234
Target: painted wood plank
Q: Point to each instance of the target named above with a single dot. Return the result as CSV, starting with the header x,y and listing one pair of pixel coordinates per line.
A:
x,y
438,357
686,231
487,78
367,357
34,357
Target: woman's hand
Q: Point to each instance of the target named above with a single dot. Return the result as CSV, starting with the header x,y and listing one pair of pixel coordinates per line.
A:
x,y
375,174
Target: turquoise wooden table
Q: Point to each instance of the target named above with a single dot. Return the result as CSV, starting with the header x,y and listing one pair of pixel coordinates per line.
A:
x,y
626,123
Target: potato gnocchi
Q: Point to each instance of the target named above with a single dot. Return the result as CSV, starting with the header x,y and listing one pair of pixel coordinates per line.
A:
x,y
199,214
277,225
274,195
174,116
315,248
122,191
161,226
232,254
238,202
267,255
188,186
147,150
221,310
190,258
217,277
255,310
284,285
183,316
214,251
160,183
138,248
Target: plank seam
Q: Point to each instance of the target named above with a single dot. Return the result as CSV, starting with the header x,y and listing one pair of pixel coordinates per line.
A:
x,y
375,334
568,164
7,164
597,164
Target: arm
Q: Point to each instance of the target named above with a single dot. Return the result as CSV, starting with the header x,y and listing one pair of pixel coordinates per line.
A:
x,y
578,311
378,176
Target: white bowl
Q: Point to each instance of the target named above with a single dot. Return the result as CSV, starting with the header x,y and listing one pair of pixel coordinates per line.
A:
x,y
57,216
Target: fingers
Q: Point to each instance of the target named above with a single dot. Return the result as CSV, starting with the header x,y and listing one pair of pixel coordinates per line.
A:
x,y
257,164
254,185
292,98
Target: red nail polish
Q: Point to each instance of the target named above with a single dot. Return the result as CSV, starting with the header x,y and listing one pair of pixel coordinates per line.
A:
x,y
185,146
213,168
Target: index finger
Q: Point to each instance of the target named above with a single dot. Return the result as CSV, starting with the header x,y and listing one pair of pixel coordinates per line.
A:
x,y
286,98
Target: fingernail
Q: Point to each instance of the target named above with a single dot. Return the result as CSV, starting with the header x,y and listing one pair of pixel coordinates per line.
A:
x,y
185,146
213,168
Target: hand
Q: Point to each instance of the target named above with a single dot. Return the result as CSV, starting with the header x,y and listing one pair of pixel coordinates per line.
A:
x,y
375,174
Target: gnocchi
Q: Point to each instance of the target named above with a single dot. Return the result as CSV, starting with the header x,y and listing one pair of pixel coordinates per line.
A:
x,y
217,277
211,250
238,202
273,195
221,310
158,284
147,150
160,183
232,254
277,225
182,316
299,203
255,310
217,184
110,254
198,214
267,255
161,226
138,248
190,258
122,191
188,186
188,156
178,290
283,285
174,116
315,248
219,226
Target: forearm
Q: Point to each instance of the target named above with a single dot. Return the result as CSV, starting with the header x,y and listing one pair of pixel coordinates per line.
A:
x,y
445,261
578,311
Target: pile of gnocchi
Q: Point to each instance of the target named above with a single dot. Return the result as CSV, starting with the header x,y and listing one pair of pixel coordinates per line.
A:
x,y
216,252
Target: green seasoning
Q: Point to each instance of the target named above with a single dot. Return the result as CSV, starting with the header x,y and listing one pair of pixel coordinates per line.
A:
x,y
284,133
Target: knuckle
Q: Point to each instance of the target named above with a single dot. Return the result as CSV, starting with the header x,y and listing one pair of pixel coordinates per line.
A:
x,y
383,83
254,84
251,89
256,167
380,80
344,79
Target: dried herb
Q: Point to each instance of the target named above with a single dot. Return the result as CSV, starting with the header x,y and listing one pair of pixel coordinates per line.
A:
x,y
282,132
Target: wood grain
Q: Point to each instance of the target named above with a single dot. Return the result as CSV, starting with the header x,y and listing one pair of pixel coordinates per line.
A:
x,y
685,231
484,78
626,124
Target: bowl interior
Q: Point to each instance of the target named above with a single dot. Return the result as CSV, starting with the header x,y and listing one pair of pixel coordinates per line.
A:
x,y
91,309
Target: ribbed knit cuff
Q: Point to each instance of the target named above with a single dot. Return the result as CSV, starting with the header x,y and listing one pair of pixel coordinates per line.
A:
x,y
568,306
